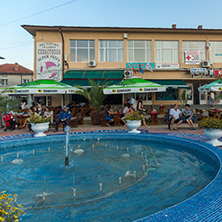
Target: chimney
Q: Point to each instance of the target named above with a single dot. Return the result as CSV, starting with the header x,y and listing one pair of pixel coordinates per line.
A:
x,y
16,67
174,26
200,26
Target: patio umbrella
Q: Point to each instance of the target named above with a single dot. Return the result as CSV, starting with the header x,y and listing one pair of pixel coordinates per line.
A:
x,y
134,85
215,86
41,86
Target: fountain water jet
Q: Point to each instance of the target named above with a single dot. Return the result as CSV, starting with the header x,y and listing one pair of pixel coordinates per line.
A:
x,y
67,130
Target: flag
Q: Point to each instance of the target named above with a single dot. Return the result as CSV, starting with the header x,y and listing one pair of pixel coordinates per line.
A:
x,y
134,71
140,68
148,67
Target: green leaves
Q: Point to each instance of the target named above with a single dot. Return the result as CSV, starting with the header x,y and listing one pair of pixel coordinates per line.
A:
x,y
95,95
210,123
39,119
134,116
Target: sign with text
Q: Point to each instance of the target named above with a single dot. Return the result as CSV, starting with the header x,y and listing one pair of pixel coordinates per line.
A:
x,y
167,65
49,60
192,57
198,70
218,73
136,65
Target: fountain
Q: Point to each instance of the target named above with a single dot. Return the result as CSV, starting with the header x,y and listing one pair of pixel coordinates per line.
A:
x,y
102,170
67,130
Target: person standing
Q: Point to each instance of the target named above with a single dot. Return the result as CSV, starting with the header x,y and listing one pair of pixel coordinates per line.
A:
x,y
211,99
64,117
133,101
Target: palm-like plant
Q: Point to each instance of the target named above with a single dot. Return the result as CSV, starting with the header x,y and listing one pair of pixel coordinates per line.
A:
x,y
95,95
7,104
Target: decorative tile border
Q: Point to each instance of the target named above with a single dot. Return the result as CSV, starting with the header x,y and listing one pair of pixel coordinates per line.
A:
x,y
206,205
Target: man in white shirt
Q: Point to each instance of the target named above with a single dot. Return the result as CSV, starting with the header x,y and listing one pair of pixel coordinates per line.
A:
x,y
133,101
175,117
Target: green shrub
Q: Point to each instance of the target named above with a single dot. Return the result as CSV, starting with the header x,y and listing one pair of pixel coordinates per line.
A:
x,y
134,116
9,210
39,119
210,123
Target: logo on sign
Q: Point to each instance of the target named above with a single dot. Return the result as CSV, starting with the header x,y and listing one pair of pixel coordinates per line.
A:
x,y
218,73
192,57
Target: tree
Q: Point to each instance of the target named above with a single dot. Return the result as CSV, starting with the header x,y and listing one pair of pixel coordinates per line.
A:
x,y
95,95
184,98
7,104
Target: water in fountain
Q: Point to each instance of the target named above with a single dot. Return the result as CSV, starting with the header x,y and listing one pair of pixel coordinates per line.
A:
x,y
93,186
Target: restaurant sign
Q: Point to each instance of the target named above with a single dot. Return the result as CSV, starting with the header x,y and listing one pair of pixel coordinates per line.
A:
x,y
49,60
136,65
198,70
167,65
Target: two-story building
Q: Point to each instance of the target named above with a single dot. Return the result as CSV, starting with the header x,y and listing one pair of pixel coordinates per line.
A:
x,y
180,58
14,74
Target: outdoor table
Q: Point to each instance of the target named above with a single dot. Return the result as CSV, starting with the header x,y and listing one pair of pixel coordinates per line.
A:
x,y
21,119
117,118
162,109
154,119
215,113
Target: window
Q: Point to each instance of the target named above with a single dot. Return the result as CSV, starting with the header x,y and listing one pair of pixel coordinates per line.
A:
x,y
215,52
139,51
111,51
25,80
4,82
170,94
82,50
194,46
167,51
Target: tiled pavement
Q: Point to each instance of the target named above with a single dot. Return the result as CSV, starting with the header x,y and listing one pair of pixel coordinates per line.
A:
x,y
183,129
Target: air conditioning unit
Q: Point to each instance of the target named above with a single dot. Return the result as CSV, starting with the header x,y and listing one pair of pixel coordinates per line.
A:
x,y
92,63
128,73
205,63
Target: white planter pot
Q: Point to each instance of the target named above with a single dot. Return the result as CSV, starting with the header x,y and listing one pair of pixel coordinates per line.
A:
x,y
40,128
133,125
214,134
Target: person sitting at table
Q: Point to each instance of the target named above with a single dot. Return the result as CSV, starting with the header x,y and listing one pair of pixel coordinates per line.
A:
x,y
71,105
107,115
64,117
125,111
23,103
39,107
188,116
48,113
31,111
175,117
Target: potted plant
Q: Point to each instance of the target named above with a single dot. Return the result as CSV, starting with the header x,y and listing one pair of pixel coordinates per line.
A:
x,y
39,124
133,121
95,97
10,210
213,129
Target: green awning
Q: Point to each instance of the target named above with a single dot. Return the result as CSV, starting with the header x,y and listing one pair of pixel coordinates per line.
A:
x,y
173,84
80,77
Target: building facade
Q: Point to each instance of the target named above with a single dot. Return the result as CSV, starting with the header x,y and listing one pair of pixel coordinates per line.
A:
x,y
181,59
14,74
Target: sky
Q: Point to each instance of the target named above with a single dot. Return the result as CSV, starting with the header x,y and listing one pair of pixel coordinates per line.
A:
x,y
17,45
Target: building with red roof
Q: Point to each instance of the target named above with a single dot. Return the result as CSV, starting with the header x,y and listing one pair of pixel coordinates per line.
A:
x,y
14,74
